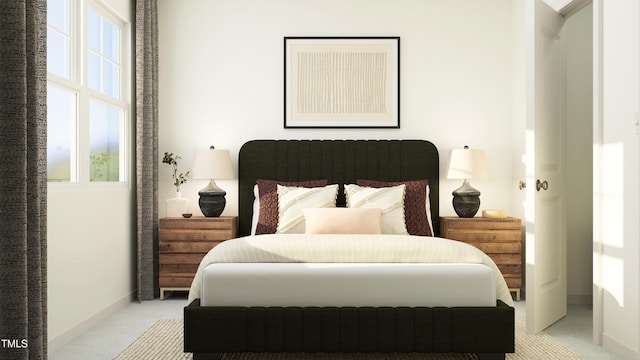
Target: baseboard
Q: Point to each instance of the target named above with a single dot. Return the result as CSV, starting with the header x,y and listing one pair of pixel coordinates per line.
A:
x,y
579,299
618,348
83,326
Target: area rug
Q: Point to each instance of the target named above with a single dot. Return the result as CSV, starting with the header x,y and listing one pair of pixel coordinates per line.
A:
x,y
163,341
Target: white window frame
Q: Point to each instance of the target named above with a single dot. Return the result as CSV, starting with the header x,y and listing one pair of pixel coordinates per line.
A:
x,y
77,82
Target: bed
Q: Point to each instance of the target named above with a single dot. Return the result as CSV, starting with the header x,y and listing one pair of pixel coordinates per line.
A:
x,y
238,316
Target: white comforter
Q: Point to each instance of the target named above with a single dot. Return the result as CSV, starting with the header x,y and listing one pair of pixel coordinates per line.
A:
x,y
338,248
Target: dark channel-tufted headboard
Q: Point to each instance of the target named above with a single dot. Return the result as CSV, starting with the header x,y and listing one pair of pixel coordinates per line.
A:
x,y
338,161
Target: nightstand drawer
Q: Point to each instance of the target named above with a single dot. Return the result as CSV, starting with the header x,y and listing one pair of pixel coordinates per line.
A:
x,y
169,268
506,235
510,269
227,223
496,247
195,235
506,259
186,246
513,282
176,281
182,258
480,223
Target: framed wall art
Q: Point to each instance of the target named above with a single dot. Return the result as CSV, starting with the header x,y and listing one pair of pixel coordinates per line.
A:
x,y
341,82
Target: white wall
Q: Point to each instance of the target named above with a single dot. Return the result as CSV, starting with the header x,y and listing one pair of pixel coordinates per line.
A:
x,y
616,198
91,249
519,105
90,257
221,79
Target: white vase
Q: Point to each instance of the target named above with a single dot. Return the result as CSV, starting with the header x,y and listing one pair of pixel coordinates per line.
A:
x,y
177,205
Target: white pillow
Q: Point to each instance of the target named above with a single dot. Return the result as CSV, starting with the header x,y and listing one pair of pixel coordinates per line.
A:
x,y
256,209
389,199
342,221
427,206
292,200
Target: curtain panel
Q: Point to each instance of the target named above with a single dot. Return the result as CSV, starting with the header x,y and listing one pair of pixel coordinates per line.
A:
x,y
23,179
147,148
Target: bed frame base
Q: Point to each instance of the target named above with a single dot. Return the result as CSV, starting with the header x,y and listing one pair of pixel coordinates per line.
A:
x,y
488,331
218,356
207,356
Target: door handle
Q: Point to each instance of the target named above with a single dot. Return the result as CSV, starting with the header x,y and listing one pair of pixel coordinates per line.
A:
x,y
544,185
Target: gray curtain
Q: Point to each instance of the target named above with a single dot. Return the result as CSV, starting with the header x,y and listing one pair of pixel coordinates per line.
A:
x,y
23,179
147,146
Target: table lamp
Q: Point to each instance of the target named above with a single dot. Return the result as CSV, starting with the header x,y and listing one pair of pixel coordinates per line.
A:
x,y
212,164
467,164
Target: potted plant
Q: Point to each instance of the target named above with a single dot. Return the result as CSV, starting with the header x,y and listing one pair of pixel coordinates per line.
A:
x,y
178,179
177,206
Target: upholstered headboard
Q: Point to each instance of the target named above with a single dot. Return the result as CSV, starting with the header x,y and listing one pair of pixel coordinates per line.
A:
x,y
338,161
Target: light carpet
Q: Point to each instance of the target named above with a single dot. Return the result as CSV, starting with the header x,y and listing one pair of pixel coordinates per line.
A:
x,y
163,341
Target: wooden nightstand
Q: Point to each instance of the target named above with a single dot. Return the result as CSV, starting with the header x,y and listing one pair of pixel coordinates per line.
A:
x,y
501,239
184,242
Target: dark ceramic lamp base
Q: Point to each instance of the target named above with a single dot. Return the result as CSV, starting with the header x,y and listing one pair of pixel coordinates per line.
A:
x,y
466,200
466,206
212,204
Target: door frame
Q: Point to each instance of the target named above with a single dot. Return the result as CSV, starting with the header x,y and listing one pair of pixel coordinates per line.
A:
x,y
598,243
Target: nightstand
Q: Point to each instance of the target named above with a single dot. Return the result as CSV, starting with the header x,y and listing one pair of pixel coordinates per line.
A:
x,y
184,242
501,239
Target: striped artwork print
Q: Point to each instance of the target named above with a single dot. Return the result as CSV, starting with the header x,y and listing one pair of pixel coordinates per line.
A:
x,y
341,82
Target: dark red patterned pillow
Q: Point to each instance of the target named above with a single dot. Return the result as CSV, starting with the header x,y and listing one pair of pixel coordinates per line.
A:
x,y
268,192
415,201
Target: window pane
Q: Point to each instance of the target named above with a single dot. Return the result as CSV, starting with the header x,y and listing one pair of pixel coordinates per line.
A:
x,y
61,129
111,79
104,141
58,15
93,26
57,53
111,41
104,55
93,71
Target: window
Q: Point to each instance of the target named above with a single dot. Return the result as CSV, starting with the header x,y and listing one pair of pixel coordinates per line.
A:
x,y
61,127
87,102
58,38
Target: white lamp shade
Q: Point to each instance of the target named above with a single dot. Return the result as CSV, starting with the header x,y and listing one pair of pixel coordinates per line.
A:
x,y
212,164
467,164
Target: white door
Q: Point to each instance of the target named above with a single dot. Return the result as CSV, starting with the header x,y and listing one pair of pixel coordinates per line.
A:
x,y
546,269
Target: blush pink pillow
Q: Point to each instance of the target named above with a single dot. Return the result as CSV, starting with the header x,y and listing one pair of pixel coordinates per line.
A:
x,y
342,221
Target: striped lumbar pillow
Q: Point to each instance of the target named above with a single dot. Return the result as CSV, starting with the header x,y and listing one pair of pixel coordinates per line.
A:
x,y
292,200
390,200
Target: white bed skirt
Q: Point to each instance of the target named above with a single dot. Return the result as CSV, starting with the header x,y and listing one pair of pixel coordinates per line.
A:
x,y
348,284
